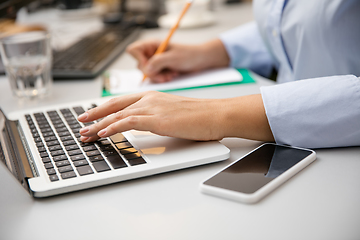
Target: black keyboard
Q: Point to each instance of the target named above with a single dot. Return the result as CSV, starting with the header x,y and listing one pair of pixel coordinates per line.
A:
x,y
89,57
56,135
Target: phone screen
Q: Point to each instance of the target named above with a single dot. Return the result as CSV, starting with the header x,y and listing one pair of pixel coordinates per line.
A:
x,y
260,167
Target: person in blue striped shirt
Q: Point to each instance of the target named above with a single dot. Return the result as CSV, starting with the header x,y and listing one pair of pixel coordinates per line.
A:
x,y
313,45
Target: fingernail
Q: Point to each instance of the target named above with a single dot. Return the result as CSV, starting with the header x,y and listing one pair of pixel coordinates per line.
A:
x,y
102,133
84,130
84,139
83,116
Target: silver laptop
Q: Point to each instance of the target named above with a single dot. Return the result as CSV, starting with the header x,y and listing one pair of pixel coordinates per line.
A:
x,y
42,149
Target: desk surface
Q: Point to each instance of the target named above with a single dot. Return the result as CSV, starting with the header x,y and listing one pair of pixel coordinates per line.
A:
x,y
321,202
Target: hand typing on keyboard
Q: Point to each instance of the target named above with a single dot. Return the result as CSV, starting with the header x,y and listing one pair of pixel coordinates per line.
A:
x,y
181,117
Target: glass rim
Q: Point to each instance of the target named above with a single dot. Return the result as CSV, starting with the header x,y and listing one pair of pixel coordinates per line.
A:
x,y
25,37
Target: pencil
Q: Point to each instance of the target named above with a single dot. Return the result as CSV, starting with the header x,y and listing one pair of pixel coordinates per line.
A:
x,y
165,43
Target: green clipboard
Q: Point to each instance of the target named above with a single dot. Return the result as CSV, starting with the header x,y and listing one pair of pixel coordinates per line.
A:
x,y
247,78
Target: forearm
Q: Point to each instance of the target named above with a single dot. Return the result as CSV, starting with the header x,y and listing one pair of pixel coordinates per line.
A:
x,y
213,55
245,117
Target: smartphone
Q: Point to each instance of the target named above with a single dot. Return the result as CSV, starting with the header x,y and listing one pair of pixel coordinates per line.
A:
x,y
261,171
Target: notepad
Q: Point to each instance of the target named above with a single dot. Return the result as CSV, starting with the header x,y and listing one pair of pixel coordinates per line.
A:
x,y
129,81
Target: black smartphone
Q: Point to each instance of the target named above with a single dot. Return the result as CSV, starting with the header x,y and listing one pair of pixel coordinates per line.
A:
x,y
258,173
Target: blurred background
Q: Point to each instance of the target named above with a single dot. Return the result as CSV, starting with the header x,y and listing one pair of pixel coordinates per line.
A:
x,y
88,35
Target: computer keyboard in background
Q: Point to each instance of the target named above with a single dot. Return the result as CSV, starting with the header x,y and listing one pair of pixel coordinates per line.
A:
x,y
89,57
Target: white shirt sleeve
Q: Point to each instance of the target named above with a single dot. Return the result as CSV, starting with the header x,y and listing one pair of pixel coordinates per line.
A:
x,y
246,49
315,113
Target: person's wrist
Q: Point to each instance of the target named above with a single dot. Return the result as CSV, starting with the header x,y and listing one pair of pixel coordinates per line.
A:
x,y
226,112
220,120
214,54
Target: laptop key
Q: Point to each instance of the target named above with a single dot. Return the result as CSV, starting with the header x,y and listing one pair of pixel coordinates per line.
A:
x,y
51,171
46,160
93,153
48,165
67,115
83,144
79,110
70,119
62,163
67,175
96,158
74,152
63,134
44,125
55,148
52,143
61,129
43,154
127,151
76,125
104,142
89,148
77,157
41,149
70,142
118,138
59,125
60,158
132,155
48,134
41,121
57,121
123,145
66,138
116,161
50,138
53,178
101,166
110,152
80,163
65,110
58,152
106,147
67,168
71,147
44,130
36,135
84,170
136,161
75,130
52,113
71,122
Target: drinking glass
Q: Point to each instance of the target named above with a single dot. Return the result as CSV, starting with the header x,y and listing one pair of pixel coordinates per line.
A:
x,y
27,58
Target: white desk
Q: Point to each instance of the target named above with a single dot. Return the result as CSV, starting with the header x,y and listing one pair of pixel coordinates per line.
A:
x,y
321,202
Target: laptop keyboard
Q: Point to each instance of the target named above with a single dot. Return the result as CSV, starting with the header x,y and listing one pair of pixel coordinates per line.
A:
x,y
57,137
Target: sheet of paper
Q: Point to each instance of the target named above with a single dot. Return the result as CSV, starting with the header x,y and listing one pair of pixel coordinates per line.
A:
x,y
126,81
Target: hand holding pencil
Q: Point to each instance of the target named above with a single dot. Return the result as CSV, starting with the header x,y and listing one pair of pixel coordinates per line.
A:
x,y
176,59
165,43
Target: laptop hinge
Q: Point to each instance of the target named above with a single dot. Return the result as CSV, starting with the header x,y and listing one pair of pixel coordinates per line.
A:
x,y
15,152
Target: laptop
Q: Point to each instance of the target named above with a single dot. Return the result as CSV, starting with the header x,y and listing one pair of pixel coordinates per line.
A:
x,y
42,149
